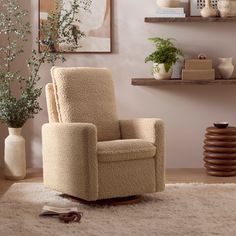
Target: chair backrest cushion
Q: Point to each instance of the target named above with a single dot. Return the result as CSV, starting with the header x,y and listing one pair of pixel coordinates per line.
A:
x,y
51,104
86,95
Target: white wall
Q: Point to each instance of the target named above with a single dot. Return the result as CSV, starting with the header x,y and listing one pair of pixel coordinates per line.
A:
x,y
186,110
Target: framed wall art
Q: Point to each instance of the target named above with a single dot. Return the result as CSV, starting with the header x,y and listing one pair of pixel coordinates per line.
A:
x,y
92,19
197,5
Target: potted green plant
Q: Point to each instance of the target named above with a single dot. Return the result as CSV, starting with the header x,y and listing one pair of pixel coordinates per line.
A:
x,y
164,57
19,92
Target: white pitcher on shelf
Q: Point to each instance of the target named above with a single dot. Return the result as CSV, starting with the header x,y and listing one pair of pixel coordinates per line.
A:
x,y
226,67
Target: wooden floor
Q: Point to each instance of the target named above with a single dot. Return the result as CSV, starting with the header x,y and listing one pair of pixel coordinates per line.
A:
x,y
172,176
195,176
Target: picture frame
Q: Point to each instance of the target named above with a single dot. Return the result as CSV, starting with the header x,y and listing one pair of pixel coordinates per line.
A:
x,y
196,6
96,25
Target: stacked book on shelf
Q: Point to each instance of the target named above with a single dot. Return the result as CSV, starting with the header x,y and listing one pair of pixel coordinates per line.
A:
x,y
170,12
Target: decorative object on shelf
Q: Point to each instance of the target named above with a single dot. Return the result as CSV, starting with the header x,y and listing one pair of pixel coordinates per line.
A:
x,y
208,10
227,8
202,56
168,3
198,74
14,158
197,5
160,72
164,57
19,92
166,12
198,69
221,125
196,64
89,26
220,151
226,67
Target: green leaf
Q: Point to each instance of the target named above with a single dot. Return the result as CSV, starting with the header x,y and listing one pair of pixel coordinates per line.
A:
x,y
19,93
165,52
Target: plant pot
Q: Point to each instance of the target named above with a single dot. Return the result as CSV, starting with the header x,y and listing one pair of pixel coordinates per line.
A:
x,y
160,73
14,156
168,3
208,10
227,8
226,67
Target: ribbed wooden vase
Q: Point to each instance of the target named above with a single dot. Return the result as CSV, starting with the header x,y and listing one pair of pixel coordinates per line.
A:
x,y
220,151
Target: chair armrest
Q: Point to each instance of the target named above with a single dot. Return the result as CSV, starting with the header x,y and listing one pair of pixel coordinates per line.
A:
x,y
70,158
151,130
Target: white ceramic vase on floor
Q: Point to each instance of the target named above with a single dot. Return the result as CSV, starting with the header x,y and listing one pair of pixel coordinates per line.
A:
x,y
226,67
160,73
14,156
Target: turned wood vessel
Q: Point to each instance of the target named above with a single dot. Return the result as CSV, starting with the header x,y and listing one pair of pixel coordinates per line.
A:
x,y
220,151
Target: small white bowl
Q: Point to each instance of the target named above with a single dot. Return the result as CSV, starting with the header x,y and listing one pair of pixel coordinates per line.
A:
x,y
168,3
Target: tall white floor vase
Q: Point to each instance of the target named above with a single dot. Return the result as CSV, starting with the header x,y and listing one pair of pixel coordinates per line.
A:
x,y
14,157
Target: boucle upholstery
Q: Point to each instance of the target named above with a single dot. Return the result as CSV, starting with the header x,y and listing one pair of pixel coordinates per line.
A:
x,y
51,104
125,150
126,178
151,130
86,95
88,153
70,160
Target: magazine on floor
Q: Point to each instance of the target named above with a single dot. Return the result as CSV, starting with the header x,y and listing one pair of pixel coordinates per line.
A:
x,y
54,211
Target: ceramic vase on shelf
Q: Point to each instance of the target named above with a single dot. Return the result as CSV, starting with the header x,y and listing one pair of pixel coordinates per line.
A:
x,y
226,67
160,73
168,3
227,8
208,10
14,156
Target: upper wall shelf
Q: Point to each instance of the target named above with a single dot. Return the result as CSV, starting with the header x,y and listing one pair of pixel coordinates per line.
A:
x,y
189,19
154,82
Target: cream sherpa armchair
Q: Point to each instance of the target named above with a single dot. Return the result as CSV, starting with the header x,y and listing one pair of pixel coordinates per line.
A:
x,y
87,152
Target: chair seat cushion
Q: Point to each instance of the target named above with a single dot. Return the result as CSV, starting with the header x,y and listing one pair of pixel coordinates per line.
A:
x,y
125,150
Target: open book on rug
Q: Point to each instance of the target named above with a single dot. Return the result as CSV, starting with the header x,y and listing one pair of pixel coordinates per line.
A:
x,y
65,214
52,211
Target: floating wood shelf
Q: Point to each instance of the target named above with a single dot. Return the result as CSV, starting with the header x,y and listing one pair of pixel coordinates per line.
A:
x,y
189,19
154,82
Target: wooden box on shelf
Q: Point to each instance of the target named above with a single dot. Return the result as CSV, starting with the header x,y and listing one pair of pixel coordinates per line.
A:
x,y
196,64
198,74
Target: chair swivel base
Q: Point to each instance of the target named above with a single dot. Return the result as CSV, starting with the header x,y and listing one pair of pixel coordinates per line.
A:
x,y
112,201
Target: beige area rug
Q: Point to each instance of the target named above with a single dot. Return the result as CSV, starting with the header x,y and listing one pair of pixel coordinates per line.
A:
x,y
183,209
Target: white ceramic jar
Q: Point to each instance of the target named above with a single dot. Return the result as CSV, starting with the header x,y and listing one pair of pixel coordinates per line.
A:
x,y
168,3
160,73
14,156
208,10
227,8
226,67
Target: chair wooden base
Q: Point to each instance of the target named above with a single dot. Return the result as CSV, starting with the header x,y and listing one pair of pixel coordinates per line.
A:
x,y
110,202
